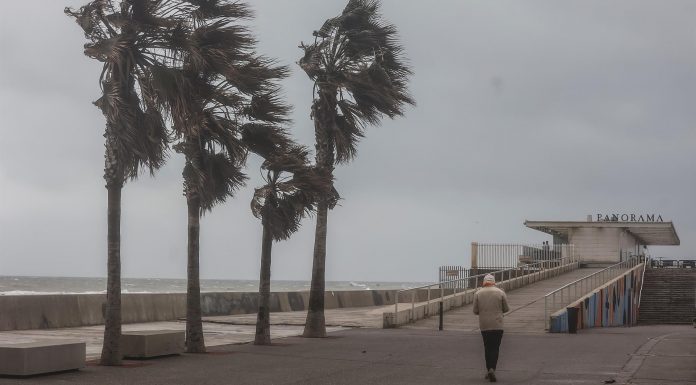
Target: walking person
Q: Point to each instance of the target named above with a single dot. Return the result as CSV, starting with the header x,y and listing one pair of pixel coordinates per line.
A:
x,y
489,304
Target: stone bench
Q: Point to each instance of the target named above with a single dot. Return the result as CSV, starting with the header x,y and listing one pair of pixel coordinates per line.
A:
x,y
38,357
152,343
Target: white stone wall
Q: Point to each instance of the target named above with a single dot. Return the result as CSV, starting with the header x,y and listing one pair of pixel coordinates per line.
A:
x,y
601,244
628,244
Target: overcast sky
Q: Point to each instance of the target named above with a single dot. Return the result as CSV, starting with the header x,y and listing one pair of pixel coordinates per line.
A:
x,y
539,110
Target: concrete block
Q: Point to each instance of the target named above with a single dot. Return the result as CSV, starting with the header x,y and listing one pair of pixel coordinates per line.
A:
x,y
152,343
38,357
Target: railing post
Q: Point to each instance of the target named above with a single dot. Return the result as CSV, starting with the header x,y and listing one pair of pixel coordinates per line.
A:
x,y
442,295
442,315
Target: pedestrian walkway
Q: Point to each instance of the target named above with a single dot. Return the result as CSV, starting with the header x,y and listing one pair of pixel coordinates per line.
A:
x,y
216,334
220,330
638,355
526,307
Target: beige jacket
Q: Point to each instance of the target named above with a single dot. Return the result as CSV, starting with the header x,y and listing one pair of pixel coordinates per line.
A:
x,y
490,303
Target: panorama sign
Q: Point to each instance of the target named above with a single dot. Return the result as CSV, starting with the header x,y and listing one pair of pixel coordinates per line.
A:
x,y
629,218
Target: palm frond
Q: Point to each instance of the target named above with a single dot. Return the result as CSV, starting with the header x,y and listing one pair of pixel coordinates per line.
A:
x,y
139,137
290,158
285,200
357,64
224,100
267,106
211,9
264,139
213,177
218,45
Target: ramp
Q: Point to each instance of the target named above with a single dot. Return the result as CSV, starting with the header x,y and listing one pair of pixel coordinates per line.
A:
x,y
526,304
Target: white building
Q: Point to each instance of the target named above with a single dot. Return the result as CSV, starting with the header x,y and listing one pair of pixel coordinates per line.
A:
x,y
610,238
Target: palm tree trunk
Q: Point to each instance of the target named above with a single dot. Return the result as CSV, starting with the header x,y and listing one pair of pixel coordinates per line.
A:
x,y
194,325
324,111
111,349
315,325
263,321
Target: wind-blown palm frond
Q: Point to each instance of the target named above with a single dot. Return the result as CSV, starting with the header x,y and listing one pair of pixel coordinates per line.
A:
x,y
214,177
264,139
285,200
357,65
223,99
128,37
210,9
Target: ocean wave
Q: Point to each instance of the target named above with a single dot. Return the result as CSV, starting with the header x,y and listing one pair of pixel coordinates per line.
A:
x,y
124,291
14,286
360,285
31,292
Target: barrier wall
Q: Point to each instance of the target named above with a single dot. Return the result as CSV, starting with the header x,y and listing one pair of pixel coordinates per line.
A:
x,y
613,304
22,312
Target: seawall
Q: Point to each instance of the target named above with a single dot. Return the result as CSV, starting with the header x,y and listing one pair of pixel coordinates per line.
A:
x,y
23,312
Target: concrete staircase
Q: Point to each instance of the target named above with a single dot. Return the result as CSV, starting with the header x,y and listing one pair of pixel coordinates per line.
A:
x,y
669,296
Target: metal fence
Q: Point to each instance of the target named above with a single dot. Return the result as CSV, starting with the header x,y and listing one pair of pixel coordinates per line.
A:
x,y
673,263
573,291
449,273
506,255
647,262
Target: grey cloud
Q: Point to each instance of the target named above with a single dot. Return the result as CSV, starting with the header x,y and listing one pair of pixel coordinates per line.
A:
x,y
526,110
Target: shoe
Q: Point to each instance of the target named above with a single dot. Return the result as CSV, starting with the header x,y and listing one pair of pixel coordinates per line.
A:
x,y
491,375
487,376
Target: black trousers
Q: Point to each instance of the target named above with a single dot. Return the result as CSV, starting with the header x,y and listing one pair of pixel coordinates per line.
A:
x,y
491,343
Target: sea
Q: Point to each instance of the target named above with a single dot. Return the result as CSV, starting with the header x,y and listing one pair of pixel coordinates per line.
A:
x,y
24,285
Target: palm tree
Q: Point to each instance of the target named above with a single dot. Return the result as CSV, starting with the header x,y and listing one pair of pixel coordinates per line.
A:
x,y
127,38
281,205
359,76
222,90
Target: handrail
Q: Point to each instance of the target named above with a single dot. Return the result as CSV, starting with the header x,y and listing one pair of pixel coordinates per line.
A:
x,y
585,284
537,266
642,280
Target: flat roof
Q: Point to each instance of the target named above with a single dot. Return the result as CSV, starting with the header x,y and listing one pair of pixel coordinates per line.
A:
x,y
647,233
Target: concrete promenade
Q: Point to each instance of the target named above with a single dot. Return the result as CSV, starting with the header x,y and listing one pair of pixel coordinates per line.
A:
x,y
638,355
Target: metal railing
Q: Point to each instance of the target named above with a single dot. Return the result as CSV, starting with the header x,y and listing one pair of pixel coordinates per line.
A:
x,y
502,276
672,263
642,280
448,273
505,255
573,291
